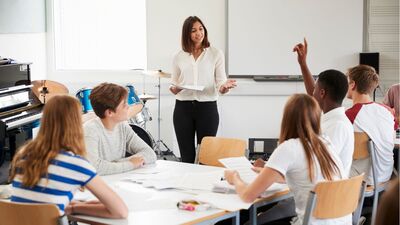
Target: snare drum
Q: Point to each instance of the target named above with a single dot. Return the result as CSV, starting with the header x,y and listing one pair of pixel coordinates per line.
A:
x,y
133,98
142,117
83,96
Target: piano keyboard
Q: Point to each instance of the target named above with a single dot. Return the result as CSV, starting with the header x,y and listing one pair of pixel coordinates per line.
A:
x,y
21,119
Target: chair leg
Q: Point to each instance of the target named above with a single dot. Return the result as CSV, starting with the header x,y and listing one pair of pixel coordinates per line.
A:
x,y
374,208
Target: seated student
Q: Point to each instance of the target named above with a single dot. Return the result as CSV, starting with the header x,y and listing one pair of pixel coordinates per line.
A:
x,y
392,99
50,168
375,119
109,137
329,90
302,159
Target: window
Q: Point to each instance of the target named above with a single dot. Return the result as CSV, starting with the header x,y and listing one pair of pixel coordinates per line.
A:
x,y
99,34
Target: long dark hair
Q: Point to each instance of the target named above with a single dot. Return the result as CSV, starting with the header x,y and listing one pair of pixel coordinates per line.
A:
x,y
186,41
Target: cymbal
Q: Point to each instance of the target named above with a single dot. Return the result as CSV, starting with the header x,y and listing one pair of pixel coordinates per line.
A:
x,y
146,97
157,73
46,89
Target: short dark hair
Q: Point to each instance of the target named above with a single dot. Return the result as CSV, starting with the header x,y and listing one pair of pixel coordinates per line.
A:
x,y
186,41
334,83
106,96
365,78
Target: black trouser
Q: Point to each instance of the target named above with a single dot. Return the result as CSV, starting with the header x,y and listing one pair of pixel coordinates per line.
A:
x,y
192,117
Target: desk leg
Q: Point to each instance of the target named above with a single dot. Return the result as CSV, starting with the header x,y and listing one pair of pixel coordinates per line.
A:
x,y
236,218
253,215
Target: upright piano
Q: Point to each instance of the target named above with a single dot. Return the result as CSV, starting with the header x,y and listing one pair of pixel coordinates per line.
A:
x,y
19,107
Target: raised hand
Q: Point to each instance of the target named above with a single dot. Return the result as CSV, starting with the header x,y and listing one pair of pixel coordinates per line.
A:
x,y
301,50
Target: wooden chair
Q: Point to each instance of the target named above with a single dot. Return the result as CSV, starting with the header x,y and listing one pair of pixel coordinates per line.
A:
x,y
334,199
214,148
364,147
12,213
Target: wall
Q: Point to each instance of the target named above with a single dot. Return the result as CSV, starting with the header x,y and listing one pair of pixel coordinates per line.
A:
x,y
251,110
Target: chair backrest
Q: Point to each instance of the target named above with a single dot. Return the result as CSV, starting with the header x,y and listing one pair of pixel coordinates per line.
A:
x,y
334,199
12,213
360,145
214,148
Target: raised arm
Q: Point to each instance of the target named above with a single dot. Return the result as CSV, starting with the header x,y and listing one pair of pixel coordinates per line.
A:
x,y
301,50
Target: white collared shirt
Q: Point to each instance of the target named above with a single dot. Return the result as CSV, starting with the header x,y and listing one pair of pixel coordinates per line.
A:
x,y
340,131
208,71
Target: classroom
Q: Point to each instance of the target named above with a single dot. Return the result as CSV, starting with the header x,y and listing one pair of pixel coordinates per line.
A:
x,y
178,78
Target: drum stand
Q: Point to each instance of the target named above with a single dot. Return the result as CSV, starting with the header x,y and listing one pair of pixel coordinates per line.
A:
x,y
159,142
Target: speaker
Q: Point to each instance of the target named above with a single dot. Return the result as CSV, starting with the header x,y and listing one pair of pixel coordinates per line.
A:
x,y
370,59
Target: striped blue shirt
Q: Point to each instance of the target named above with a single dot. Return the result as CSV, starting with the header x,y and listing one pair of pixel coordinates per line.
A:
x,y
66,173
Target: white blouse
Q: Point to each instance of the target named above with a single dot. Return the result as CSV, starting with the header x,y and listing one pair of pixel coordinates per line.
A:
x,y
208,71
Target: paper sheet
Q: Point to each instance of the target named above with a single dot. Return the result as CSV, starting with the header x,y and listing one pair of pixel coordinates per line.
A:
x,y
230,202
190,87
242,165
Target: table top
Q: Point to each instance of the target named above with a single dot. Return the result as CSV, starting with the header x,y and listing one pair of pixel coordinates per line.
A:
x,y
152,206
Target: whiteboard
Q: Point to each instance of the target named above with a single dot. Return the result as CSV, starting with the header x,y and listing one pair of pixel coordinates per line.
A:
x,y
262,34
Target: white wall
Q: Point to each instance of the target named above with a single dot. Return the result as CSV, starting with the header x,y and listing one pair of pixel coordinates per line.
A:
x,y
251,110
26,47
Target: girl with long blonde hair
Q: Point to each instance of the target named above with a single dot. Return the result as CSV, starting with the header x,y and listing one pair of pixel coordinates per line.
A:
x,y
302,159
50,168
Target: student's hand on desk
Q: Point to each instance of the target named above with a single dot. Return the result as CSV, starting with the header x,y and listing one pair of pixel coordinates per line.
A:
x,y
301,50
229,84
174,89
230,175
259,163
257,169
137,161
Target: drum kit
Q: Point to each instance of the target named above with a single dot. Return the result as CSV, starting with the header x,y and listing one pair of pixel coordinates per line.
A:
x,y
138,114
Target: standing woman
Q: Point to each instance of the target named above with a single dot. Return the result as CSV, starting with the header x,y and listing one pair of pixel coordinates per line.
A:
x,y
197,64
52,167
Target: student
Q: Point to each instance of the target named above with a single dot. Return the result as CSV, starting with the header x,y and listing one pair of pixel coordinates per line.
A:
x,y
50,168
198,63
109,137
329,90
302,159
392,99
375,119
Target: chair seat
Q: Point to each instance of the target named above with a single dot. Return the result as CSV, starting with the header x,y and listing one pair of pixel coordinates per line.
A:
x,y
370,188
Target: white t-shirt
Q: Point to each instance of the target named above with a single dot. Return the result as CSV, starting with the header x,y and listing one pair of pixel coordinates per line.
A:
x,y
290,160
377,121
208,71
339,129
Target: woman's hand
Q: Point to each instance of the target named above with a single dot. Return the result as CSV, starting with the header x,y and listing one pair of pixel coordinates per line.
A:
x,y
174,89
229,84
231,175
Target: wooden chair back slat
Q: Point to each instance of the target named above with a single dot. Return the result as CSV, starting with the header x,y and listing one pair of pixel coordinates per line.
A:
x,y
214,148
337,198
12,213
